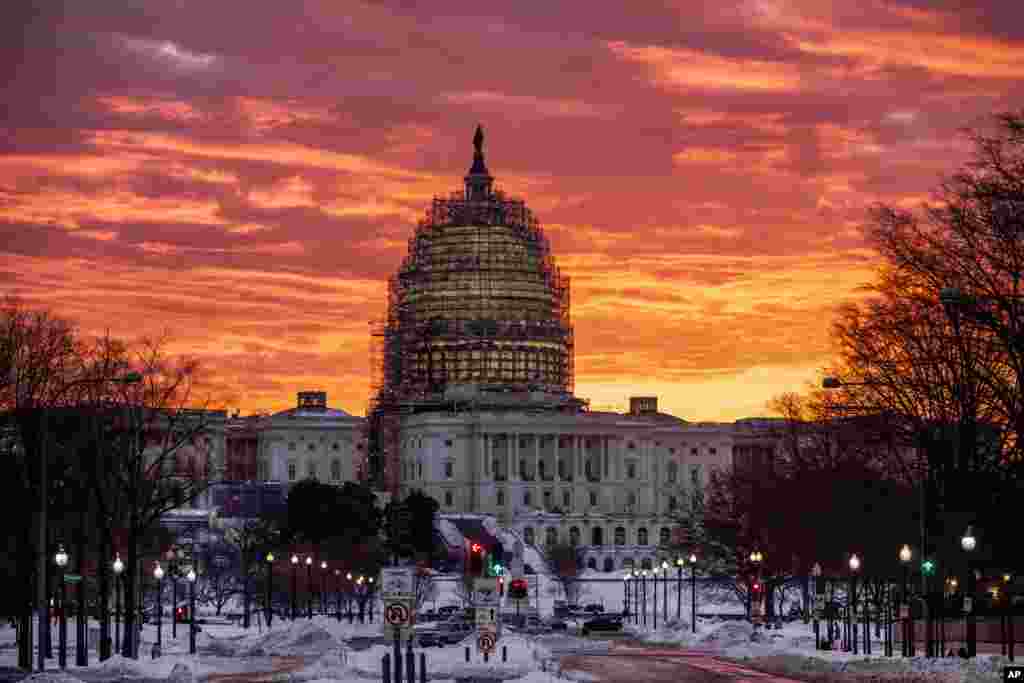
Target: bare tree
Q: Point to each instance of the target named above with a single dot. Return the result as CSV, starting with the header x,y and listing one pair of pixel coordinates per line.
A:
x,y
251,538
563,560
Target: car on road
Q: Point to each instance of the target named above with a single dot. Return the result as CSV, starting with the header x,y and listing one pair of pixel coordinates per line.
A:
x,y
447,632
603,622
555,624
594,609
448,610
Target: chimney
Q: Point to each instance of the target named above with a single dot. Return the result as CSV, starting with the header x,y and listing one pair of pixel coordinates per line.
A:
x,y
312,400
643,405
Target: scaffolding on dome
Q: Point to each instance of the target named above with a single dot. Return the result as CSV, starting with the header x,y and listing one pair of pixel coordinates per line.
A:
x,y
478,301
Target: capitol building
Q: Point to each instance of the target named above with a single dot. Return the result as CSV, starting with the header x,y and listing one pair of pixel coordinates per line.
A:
x,y
473,402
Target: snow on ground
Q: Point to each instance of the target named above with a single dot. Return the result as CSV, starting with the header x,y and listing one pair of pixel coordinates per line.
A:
x,y
524,655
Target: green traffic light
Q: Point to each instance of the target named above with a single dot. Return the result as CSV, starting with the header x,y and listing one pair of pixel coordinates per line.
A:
x,y
928,567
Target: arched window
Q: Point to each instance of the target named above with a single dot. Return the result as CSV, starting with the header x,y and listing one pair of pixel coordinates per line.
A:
x,y
528,535
597,536
664,535
550,536
540,469
522,470
499,475
645,563
501,497
620,535
448,498
574,536
561,468
335,470
609,564
291,471
641,536
526,498
311,469
627,563
591,563
566,499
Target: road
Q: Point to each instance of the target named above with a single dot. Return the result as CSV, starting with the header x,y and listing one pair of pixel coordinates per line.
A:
x,y
638,664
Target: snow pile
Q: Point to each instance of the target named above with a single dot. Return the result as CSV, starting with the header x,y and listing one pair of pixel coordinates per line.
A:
x,y
183,667
305,637
51,677
450,533
330,666
524,656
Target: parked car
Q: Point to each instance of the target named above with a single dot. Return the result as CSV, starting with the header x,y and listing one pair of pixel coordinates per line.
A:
x,y
603,622
447,632
594,609
427,616
555,624
448,610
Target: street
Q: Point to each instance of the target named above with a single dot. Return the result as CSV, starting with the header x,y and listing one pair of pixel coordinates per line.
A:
x,y
637,664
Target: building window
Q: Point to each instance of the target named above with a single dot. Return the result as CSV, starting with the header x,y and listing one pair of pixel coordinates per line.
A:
x,y
448,443
645,563
291,445
566,499
597,536
522,470
551,536
593,498
449,470
673,472
291,471
672,503
609,564
547,499
540,468
528,535
664,535
630,445
448,498
336,470
630,470
311,469
693,451
312,447
695,475
712,451
672,451
631,499
574,536
522,443
591,563
620,535
336,446
641,536
627,563
561,469
526,498
501,498
499,474
419,470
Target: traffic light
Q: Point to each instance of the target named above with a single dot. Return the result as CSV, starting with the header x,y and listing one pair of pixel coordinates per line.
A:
x,y
518,589
501,586
494,568
476,559
757,587
927,567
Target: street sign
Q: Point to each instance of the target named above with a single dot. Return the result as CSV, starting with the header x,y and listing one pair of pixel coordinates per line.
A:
x,y
397,613
397,582
904,611
485,589
486,616
968,604
72,578
486,641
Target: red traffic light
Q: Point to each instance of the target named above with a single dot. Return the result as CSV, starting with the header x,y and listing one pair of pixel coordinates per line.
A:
x,y
476,548
757,587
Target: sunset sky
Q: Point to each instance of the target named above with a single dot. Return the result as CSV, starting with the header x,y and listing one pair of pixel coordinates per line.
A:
x,y
247,174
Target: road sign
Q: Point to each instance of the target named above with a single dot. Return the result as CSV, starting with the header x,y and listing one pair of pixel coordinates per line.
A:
x,y
485,589
486,641
486,615
397,613
72,578
397,582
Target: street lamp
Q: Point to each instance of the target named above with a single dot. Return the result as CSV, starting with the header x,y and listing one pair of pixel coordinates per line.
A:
x,y
191,576
679,587
309,586
270,582
323,579
643,593
118,568
664,594
756,558
348,595
854,566
337,594
968,542
816,573
61,558
369,592
908,643
625,595
362,601
693,591
295,571
158,574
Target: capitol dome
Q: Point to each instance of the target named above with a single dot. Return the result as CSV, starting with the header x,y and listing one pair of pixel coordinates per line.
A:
x,y
478,300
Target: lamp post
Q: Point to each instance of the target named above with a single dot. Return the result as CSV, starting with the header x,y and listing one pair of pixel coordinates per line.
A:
x,y
61,559
118,568
664,595
348,595
369,592
158,574
337,594
270,586
816,573
755,559
625,595
323,579
295,571
693,592
908,643
309,586
643,597
191,576
362,602
679,588
654,597
854,566
968,542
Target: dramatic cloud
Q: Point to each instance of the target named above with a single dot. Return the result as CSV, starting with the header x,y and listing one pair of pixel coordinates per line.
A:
x,y
247,175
